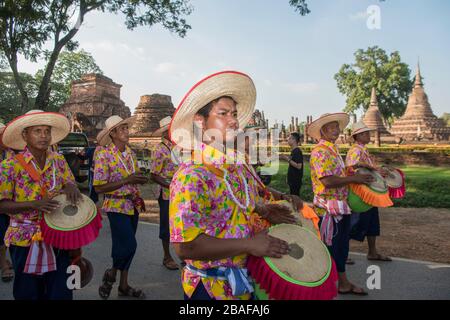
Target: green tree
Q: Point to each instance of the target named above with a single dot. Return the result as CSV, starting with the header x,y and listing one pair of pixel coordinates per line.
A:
x,y
69,67
375,68
10,99
27,25
446,118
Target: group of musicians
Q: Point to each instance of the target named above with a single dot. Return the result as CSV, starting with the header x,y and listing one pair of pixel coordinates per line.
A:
x,y
206,202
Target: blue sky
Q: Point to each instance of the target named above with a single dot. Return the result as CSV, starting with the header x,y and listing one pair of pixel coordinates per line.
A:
x,y
291,58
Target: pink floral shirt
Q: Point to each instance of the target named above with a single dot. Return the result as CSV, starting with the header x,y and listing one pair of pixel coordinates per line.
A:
x,y
163,165
111,165
326,161
358,154
200,202
17,185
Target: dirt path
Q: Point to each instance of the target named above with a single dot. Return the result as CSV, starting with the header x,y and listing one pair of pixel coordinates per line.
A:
x,y
413,233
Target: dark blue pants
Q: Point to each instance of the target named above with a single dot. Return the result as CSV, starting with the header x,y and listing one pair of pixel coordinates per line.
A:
x,y
49,286
200,293
164,233
4,223
367,225
341,242
123,233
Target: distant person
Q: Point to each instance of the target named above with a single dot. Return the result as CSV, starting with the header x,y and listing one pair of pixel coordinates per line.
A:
x,y
295,160
163,167
117,176
367,223
7,272
90,151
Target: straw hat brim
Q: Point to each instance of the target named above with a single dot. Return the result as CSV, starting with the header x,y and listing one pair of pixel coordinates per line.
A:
x,y
314,128
160,131
236,85
12,135
103,137
361,131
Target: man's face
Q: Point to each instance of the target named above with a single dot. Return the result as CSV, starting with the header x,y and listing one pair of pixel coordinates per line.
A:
x,y
38,137
223,119
331,131
363,137
291,141
120,134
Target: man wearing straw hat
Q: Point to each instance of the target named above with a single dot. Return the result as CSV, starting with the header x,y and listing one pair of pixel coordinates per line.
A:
x,y
116,176
330,187
28,181
5,265
367,224
212,195
163,167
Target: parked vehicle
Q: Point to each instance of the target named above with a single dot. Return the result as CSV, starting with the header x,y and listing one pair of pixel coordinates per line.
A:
x,y
74,147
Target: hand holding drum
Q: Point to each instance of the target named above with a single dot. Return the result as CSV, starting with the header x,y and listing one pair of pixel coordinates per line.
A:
x,y
264,245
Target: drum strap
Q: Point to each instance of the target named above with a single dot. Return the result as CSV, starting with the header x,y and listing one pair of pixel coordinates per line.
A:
x,y
237,278
41,257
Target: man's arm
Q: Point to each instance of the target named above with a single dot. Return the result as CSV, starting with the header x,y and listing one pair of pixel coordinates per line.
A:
x,y
206,248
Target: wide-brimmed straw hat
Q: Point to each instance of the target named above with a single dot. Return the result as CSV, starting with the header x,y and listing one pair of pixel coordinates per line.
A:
x,y
314,128
163,126
236,85
360,127
111,123
12,134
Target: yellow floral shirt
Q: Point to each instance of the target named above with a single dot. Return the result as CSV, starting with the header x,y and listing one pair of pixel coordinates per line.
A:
x,y
358,154
326,161
200,202
163,165
111,165
17,185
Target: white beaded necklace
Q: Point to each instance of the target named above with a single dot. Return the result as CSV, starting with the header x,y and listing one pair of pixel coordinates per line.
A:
x,y
247,197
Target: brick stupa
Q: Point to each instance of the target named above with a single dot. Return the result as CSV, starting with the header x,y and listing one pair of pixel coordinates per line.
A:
x,y
372,118
93,99
150,110
418,122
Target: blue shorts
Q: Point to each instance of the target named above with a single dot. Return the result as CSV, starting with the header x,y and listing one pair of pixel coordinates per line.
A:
x,y
164,233
49,286
366,224
341,242
4,224
123,234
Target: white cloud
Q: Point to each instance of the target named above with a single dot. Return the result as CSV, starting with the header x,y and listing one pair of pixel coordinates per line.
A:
x,y
166,67
302,87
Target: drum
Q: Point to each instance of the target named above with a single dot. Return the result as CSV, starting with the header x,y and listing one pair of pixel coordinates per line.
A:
x,y
363,197
396,182
306,218
306,273
71,227
86,270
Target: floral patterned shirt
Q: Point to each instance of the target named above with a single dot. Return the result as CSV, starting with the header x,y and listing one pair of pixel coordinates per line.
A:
x,y
163,165
6,154
358,154
200,202
17,185
326,161
111,165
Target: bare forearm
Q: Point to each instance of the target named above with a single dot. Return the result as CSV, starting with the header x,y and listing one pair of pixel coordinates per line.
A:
x,y
159,180
12,207
210,248
336,182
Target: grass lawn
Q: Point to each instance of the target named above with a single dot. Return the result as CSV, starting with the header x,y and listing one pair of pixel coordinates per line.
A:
x,y
425,186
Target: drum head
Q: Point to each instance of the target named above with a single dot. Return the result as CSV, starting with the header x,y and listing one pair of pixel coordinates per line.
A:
x,y
379,184
394,179
307,262
68,217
